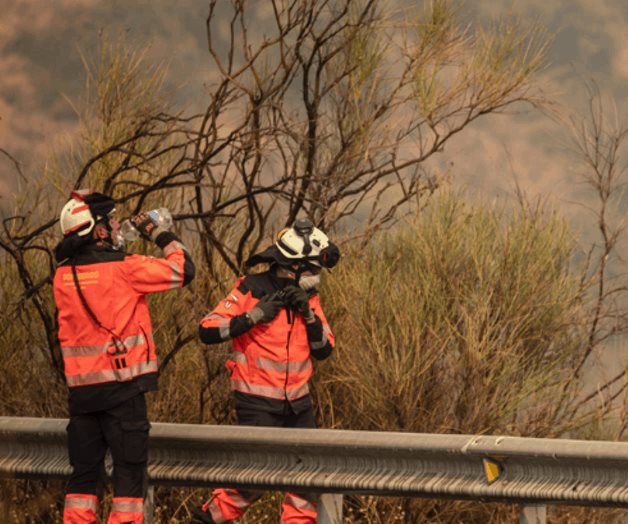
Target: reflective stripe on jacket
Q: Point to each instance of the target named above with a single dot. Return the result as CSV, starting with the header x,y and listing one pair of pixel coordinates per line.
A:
x,y
114,286
271,359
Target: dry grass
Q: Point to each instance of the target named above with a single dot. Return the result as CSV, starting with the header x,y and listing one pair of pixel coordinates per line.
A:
x,y
463,321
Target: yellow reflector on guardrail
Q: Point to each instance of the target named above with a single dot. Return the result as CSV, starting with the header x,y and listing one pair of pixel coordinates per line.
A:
x,y
492,470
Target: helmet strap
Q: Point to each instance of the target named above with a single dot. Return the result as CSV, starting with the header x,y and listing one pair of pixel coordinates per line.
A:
x,y
298,273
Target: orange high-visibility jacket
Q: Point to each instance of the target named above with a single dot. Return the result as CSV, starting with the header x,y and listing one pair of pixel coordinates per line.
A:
x,y
114,286
269,360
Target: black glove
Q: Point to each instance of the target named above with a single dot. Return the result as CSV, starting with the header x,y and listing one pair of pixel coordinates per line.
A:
x,y
298,300
266,309
147,227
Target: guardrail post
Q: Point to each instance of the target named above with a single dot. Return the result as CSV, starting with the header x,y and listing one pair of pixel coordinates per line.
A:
x,y
329,509
532,514
149,503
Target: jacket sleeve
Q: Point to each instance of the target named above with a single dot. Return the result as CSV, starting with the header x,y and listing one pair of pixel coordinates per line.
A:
x,y
152,275
228,319
319,334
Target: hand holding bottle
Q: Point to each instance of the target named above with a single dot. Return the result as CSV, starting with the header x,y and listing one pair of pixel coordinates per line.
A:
x,y
149,225
146,226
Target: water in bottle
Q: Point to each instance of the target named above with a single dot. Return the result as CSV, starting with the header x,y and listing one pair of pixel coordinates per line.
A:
x,y
128,231
162,216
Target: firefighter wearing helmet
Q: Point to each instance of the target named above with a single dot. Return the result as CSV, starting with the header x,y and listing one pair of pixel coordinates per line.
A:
x,y
275,322
108,349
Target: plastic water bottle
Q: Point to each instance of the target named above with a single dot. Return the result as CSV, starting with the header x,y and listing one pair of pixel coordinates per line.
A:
x,y
161,216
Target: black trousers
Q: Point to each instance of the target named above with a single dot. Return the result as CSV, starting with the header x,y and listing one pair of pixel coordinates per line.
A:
x,y
123,430
250,416
255,417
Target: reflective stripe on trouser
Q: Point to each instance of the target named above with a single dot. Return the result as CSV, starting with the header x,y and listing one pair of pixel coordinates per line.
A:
x,y
80,508
297,510
126,510
228,504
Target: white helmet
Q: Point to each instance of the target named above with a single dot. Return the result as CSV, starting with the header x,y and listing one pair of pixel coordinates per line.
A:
x,y
76,215
300,243
83,210
303,241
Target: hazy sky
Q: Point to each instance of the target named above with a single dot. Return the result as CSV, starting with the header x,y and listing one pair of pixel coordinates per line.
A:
x,y
41,71
41,42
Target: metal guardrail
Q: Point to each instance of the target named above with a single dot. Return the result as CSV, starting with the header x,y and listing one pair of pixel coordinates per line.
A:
x,y
490,468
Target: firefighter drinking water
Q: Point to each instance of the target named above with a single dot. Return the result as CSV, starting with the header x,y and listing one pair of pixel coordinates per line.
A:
x,y
108,349
275,322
